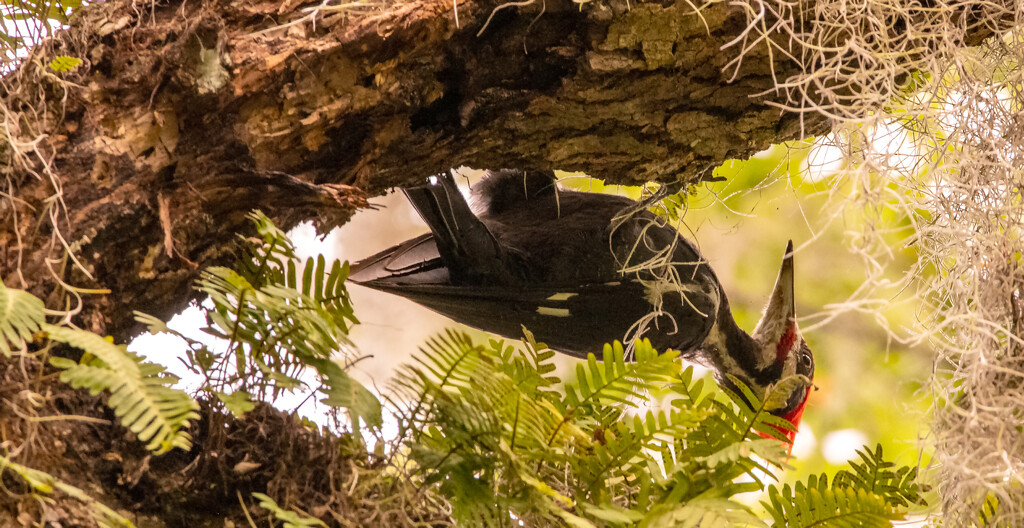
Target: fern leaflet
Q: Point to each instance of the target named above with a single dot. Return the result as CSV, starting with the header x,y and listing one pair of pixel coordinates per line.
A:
x,y
21,315
140,392
45,483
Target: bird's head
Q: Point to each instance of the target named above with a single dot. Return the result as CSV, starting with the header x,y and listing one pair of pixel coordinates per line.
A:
x,y
781,349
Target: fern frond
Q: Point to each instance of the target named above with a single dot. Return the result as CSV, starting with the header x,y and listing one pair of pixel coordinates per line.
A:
x,y
277,331
446,363
531,365
690,392
264,259
21,315
729,429
740,453
237,403
625,444
45,483
749,410
489,433
778,394
289,518
451,361
326,287
877,475
703,513
614,384
611,514
345,392
528,418
816,504
270,317
278,322
140,392
615,381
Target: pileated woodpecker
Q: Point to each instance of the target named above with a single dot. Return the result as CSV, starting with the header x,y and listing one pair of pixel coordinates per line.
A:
x,y
580,270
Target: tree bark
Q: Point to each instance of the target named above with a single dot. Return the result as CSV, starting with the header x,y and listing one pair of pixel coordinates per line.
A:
x,y
185,116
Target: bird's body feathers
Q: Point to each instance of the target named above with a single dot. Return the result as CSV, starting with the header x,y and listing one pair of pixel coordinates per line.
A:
x,y
505,267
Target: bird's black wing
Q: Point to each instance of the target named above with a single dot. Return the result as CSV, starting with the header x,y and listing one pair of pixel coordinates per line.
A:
x,y
575,320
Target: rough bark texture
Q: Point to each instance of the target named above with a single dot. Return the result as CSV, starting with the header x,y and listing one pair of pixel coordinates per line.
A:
x,y
189,115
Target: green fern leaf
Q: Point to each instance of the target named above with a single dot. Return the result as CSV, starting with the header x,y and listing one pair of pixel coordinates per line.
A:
x,y
63,63
615,381
265,259
140,392
627,442
703,513
347,393
498,443
611,514
778,394
326,287
754,413
47,484
766,448
21,315
532,365
573,520
237,403
445,364
879,476
289,518
816,504
279,324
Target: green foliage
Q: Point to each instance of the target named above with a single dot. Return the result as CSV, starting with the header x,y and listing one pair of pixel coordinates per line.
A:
x,y
289,518
488,429
21,315
140,392
279,317
816,504
277,320
237,403
897,486
703,513
43,483
872,493
989,510
64,63
28,21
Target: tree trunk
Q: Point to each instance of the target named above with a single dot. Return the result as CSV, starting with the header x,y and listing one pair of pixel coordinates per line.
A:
x,y
185,116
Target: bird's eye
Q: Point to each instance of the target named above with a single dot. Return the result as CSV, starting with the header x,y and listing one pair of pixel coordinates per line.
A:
x,y
806,360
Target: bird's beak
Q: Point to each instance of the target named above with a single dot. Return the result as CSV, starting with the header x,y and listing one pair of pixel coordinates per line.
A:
x,y
782,297
781,309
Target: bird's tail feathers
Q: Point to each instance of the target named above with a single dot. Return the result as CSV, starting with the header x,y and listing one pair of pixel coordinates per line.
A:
x,y
464,243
